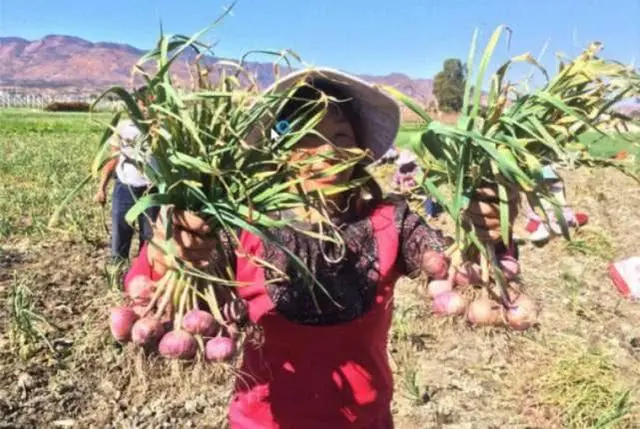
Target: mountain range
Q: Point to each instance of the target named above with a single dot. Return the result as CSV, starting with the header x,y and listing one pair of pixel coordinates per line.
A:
x,y
68,64
64,63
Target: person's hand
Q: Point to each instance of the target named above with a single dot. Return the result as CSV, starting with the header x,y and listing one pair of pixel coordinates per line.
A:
x,y
189,242
101,196
484,212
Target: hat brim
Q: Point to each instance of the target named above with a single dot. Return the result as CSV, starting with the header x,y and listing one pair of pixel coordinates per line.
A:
x,y
406,157
548,173
378,112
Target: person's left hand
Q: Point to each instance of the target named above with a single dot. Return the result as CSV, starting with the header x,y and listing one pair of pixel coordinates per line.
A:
x,y
101,196
190,238
484,212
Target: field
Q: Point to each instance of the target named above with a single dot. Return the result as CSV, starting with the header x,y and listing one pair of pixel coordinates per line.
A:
x,y
612,144
580,368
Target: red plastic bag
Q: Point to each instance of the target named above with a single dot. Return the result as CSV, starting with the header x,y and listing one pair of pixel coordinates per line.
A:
x,y
625,275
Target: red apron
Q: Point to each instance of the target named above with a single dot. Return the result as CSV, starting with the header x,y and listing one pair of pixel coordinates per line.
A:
x,y
318,377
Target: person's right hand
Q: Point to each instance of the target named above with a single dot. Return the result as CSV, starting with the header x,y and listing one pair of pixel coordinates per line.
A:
x,y
484,212
101,197
189,240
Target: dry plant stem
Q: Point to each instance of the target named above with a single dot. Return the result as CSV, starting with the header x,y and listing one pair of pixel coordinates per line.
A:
x,y
498,276
212,301
160,290
451,250
484,268
167,297
182,305
456,259
177,291
503,315
194,299
452,272
200,342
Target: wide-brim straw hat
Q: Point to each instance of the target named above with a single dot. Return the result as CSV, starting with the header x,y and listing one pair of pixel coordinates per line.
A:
x,y
378,112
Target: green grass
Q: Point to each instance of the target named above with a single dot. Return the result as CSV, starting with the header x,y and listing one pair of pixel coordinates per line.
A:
x,y
585,389
598,145
27,327
407,137
591,242
610,145
44,156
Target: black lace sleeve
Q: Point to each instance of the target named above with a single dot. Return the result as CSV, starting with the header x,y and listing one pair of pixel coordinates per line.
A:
x,y
224,255
416,237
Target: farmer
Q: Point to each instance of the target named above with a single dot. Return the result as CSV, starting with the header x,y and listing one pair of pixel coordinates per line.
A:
x,y
538,230
323,363
406,177
389,156
130,184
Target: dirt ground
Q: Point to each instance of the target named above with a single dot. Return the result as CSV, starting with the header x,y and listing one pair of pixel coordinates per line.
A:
x,y
579,367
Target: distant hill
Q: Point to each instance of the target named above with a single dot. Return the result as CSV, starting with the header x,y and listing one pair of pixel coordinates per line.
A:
x,y
63,62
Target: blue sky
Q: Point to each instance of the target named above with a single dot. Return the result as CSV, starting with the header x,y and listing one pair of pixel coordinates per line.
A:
x,y
361,36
